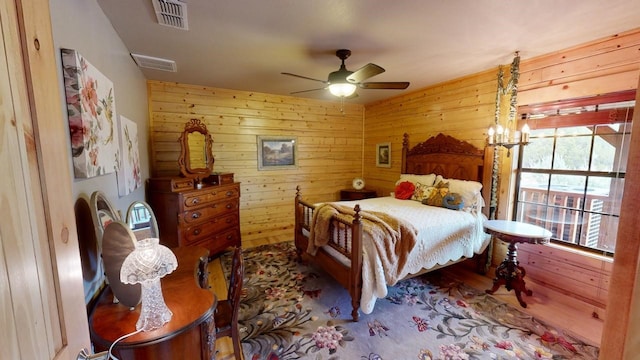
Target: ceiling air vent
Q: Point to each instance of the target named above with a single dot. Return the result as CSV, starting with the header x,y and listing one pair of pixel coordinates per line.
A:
x,y
171,13
154,63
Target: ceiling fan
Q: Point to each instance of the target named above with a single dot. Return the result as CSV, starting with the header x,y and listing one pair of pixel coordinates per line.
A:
x,y
343,83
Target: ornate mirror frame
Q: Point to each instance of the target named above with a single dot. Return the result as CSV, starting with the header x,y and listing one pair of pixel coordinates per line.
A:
x,y
142,221
193,126
102,213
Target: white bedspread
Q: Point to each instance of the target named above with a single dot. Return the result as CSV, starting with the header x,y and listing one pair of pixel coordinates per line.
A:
x,y
443,235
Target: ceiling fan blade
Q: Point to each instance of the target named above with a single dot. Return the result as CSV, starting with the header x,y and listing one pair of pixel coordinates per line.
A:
x,y
385,85
304,91
365,72
305,77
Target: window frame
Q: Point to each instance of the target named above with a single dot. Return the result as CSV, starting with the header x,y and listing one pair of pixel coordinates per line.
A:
x,y
555,117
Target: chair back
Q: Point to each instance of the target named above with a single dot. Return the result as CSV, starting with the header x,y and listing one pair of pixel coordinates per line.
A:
x,y
235,284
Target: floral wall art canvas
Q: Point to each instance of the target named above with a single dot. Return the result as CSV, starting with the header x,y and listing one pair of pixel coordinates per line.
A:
x,y
129,177
91,112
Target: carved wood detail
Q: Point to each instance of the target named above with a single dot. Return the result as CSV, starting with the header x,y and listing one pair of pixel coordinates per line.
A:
x,y
443,144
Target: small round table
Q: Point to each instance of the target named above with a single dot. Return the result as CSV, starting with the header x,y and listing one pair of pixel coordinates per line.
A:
x,y
509,273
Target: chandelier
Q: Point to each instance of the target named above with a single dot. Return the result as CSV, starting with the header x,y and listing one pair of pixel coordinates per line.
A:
x,y
497,135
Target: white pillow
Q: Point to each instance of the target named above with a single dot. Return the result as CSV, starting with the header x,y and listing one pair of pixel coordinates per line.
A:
x,y
470,191
427,180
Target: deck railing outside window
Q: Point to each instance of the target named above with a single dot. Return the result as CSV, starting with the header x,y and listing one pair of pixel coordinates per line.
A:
x,y
562,213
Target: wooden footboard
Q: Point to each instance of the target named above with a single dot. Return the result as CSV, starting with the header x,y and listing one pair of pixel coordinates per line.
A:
x,y
345,238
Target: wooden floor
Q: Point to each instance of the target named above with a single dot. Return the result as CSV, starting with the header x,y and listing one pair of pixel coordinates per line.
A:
x,y
549,306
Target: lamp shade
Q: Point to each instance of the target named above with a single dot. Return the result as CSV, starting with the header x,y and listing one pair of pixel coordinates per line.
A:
x,y
145,265
342,89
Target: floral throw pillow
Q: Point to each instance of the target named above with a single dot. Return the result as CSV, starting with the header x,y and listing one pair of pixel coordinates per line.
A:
x,y
422,192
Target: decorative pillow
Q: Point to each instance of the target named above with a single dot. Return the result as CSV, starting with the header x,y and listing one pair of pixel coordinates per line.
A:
x,y
422,191
453,201
437,195
404,190
470,191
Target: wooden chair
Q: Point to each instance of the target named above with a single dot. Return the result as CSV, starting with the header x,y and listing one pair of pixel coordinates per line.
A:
x,y
226,314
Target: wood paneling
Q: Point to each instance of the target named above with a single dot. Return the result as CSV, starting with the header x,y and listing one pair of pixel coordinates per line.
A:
x,y
463,108
335,147
329,145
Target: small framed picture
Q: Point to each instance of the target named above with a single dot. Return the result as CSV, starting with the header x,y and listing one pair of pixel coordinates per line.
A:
x,y
277,152
383,155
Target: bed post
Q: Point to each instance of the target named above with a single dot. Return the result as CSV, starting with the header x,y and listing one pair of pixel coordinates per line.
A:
x,y
298,223
405,150
355,281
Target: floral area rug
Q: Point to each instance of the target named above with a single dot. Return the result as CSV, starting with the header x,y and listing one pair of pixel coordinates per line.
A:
x,y
296,311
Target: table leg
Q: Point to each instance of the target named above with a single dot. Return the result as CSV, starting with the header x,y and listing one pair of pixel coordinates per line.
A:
x,y
511,275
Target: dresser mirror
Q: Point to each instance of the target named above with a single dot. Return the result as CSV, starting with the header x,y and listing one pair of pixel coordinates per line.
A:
x,y
142,221
102,213
196,159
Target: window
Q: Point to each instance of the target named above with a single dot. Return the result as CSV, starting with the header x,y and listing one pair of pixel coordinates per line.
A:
x,y
571,175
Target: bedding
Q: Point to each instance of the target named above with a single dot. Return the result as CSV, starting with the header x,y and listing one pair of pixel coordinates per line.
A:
x,y
417,236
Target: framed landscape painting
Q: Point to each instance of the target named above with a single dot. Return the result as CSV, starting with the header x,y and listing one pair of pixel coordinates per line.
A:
x,y
383,155
277,152
91,112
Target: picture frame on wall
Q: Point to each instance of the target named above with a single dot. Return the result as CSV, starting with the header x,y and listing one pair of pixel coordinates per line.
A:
x,y
277,152
129,173
91,111
383,155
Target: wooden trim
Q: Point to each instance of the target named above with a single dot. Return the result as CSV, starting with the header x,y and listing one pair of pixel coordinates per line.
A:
x,y
621,334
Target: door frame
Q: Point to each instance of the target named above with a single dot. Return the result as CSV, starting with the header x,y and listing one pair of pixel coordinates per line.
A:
x,y
44,305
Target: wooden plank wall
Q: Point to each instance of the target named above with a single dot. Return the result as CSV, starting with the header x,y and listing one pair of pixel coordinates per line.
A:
x,y
329,147
462,107
334,148
606,65
465,108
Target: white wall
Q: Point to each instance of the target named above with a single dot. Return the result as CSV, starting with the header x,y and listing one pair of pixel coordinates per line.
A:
x,y
81,25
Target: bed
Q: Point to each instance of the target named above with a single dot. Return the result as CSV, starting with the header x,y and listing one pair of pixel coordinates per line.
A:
x,y
364,248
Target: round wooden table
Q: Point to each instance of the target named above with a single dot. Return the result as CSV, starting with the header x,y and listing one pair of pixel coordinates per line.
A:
x,y
509,273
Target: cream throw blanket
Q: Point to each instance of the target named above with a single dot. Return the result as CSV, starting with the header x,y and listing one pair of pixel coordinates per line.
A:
x,y
386,244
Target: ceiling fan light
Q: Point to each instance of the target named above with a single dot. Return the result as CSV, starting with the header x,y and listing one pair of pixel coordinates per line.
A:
x,y
342,89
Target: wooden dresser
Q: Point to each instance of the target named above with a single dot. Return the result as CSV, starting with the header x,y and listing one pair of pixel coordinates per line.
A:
x,y
207,217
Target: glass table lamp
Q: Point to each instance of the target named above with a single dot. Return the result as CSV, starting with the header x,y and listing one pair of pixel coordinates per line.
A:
x,y
145,265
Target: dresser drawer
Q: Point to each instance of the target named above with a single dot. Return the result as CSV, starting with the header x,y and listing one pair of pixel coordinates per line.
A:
x,y
195,233
171,184
205,196
219,242
208,211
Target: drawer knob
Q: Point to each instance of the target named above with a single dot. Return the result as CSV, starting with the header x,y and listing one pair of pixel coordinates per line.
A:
x,y
195,215
229,237
229,206
229,193
196,232
196,201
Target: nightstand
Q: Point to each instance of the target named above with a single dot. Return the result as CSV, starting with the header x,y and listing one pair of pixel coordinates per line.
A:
x,y
353,194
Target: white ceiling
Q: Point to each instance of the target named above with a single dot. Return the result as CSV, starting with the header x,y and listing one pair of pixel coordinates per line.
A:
x,y
245,45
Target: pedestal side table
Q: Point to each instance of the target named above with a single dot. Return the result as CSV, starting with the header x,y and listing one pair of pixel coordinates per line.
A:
x,y
509,273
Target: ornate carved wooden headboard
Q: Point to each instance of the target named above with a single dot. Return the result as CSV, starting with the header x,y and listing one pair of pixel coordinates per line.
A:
x,y
452,158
